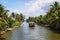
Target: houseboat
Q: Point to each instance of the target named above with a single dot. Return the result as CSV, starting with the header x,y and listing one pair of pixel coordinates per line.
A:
x,y
31,24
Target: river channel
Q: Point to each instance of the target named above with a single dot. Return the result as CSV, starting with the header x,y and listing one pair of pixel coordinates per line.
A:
x,y
27,33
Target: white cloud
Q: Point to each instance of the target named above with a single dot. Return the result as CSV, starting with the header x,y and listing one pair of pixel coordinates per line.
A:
x,y
34,7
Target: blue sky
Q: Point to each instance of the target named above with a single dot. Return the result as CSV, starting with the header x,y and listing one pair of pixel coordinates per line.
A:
x,y
28,7
14,5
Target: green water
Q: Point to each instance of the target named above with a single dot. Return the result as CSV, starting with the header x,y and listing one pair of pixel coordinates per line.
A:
x,y
27,33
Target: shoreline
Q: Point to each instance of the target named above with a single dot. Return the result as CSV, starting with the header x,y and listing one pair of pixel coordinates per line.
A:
x,y
10,29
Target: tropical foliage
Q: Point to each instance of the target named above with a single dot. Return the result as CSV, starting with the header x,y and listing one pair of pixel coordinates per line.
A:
x,y
9,20
52,17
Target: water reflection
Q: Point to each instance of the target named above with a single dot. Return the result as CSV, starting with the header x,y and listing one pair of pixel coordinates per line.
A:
x,y
7,35
35,33
1,38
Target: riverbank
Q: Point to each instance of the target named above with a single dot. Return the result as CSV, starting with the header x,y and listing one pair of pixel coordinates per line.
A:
x,y
27,33
10,29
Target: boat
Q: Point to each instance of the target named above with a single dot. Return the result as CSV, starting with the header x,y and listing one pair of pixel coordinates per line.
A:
x,y
31,24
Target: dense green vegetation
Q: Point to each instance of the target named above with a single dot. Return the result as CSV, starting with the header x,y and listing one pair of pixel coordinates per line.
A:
x,y
52,17
6,20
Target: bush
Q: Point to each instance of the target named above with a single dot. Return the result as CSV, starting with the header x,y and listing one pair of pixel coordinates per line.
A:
x,y
16,23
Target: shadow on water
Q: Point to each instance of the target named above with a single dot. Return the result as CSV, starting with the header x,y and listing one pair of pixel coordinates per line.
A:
x,y
1,38
55,30
31,27
6,36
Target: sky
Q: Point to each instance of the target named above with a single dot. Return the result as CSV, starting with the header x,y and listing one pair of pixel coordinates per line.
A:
x,y
28,7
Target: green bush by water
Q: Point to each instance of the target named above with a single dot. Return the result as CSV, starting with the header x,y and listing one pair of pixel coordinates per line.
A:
x,y
16,23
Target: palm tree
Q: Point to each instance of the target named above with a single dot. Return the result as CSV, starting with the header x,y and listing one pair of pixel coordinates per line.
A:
x,y
53,12
4,16
18,17
21,17
13,15
1,10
